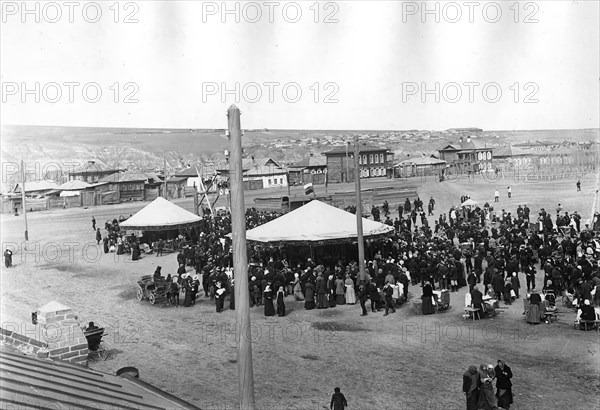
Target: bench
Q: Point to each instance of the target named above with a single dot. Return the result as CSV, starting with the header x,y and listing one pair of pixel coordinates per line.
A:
x,y
586,323
472,311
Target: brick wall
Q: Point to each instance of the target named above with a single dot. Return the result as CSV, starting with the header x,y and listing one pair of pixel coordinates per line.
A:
x,y
62,333
24,343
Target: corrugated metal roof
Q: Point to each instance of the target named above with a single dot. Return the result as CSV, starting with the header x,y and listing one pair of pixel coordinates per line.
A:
x,y
28,382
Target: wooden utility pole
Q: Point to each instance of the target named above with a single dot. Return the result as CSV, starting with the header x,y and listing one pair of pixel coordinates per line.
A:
x,y
165,176
23,199
359,228
240,262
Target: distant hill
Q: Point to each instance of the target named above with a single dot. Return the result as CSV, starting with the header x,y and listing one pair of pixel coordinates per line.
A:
x,y
149,148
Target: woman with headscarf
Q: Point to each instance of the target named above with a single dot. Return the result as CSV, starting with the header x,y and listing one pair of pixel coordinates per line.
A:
x,y
309,301
105,244
350,293
471,387
487,400
187,285
268,300
586,312
533,314
340,288
427,299
503,385
297,288
281,302
321,291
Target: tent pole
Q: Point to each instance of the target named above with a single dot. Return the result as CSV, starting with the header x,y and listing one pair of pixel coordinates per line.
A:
x,y
240,262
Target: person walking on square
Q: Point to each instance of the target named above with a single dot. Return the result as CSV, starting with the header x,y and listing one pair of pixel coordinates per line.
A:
x,y
509,191
93,223
98,236
578,185
362,297
338,401
496,195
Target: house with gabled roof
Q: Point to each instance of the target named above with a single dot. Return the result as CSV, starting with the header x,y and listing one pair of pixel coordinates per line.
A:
x,y
469,155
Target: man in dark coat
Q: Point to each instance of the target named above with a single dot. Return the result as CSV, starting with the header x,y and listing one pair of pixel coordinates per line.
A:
x,y
477,299
471,387
338,401
498,285
388,291
362,297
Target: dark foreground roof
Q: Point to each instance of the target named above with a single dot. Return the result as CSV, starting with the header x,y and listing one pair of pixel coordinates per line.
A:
x,y
28,382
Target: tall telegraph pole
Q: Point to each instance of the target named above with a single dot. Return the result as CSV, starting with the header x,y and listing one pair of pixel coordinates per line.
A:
x,y
359,211
23,198
240,261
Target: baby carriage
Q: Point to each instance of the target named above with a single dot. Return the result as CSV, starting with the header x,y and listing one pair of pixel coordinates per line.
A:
x,y
94,337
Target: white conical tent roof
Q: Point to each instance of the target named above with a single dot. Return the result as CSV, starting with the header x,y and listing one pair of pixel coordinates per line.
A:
x,y
160,215
315,222
469,202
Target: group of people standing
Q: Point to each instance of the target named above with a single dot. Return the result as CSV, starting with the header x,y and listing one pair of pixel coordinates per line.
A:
x,y
478,387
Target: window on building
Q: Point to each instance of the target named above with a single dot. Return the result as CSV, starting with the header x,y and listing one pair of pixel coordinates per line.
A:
x,y
381,158
376,159
370,158
268,182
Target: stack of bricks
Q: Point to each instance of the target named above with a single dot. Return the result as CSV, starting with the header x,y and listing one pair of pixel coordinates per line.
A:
x,y
62,333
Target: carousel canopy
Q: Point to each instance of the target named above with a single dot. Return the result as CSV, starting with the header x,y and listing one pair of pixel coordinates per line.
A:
x,y
161,215
469,202
315,223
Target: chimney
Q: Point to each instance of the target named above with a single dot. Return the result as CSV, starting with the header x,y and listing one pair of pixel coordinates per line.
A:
x,y
468,139
62,333
460,140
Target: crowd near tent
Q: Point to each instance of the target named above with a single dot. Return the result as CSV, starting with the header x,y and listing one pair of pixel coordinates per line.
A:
x,y
161,215
315,223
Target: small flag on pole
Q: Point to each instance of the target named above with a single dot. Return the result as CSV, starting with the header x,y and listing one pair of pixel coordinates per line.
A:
x,y
308,189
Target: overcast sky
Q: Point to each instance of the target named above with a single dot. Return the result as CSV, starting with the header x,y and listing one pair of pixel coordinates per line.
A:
x,y
357,65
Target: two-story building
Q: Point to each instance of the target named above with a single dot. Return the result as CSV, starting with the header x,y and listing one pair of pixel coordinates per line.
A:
x,y
312,169
374,162
92,172
468,155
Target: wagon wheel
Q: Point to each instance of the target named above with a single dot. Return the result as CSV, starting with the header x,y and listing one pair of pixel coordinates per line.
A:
x,y
152,298
103,352
140,294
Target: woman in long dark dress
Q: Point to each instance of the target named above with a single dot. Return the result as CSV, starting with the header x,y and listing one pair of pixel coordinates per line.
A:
x,y
281,302
232,296
503,385
105,243
309,300
268,301
331,291
340,289
187,285
98,236
428,308
321,291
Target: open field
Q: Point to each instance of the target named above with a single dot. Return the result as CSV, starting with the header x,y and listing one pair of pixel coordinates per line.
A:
x,y
401,361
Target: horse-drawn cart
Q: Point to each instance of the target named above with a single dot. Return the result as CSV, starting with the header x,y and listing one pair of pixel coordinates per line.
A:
x,y
151,290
